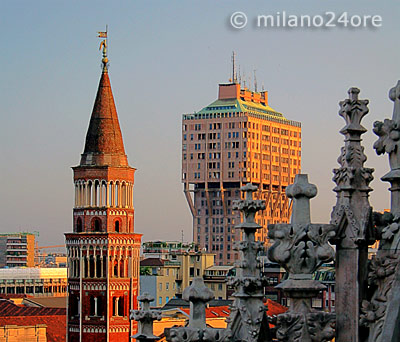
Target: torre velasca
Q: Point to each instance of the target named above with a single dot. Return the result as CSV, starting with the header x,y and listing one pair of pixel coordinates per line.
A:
x,y
235,140
103,250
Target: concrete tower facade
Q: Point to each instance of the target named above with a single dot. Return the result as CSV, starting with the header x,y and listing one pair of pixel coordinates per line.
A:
x,y
103,250
235,140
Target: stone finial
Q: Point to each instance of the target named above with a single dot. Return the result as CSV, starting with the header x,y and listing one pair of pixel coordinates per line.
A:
x,y
145,317
302,191
301,247
249,207
198,294
145,299
353,110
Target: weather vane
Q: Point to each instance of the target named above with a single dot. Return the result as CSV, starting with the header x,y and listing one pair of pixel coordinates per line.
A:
x,y
103,46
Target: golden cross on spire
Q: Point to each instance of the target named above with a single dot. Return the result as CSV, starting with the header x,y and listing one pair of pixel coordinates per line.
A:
x,y
103,46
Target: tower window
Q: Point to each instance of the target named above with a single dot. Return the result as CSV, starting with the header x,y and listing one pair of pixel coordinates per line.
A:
x,y
96,225
92,306
79,225
117,226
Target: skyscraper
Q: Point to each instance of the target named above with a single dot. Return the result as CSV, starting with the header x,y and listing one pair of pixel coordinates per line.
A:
x,y
235,140
103,250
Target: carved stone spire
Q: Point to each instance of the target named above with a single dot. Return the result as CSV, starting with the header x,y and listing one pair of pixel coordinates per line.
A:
x,y
352,212
389,142
352,216
301,247
382,312
248,320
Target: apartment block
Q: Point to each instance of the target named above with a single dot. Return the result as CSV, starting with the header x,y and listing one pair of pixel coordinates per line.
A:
x,y
237,139
158,278
17,250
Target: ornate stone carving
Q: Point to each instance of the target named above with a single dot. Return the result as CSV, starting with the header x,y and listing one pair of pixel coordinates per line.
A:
x,y
381,278
382,312
198,295
321,326
145,317
290,327
301,247
301,250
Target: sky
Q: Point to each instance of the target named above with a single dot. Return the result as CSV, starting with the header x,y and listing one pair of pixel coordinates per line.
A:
x,y
166,59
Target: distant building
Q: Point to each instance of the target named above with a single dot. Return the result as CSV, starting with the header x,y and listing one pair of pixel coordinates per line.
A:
x,y
55,260
17,250
163,249
215,278
235,140
274,274
192,265
166,278
34,281
326,300
158,278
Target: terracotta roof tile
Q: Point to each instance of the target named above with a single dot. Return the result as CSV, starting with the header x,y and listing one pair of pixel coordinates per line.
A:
x,y
55,319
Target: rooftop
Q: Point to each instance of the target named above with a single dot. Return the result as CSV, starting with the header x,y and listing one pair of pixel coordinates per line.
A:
x,y
33,273
54,319
104,145
233,101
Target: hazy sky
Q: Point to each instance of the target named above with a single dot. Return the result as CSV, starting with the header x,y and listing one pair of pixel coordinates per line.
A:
x,y
166,59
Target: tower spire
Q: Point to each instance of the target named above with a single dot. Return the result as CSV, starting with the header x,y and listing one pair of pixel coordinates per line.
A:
x,y
104,144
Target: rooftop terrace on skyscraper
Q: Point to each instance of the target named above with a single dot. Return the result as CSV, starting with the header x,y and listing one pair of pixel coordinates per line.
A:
x,y
233,101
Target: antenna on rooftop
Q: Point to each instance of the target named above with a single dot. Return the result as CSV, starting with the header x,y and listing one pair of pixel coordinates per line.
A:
x,y
262,86
255,81
234,74
240,77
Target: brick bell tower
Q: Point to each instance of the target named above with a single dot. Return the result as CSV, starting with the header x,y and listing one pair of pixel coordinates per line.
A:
x,y
103,250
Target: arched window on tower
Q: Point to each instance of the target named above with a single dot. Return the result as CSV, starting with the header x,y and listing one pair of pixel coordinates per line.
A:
x,y
92,306
99,306
121,268
79,228
117,194
121,306
96,225
74,306
98,266
117,226
115,268
115,306
86,265
91,263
